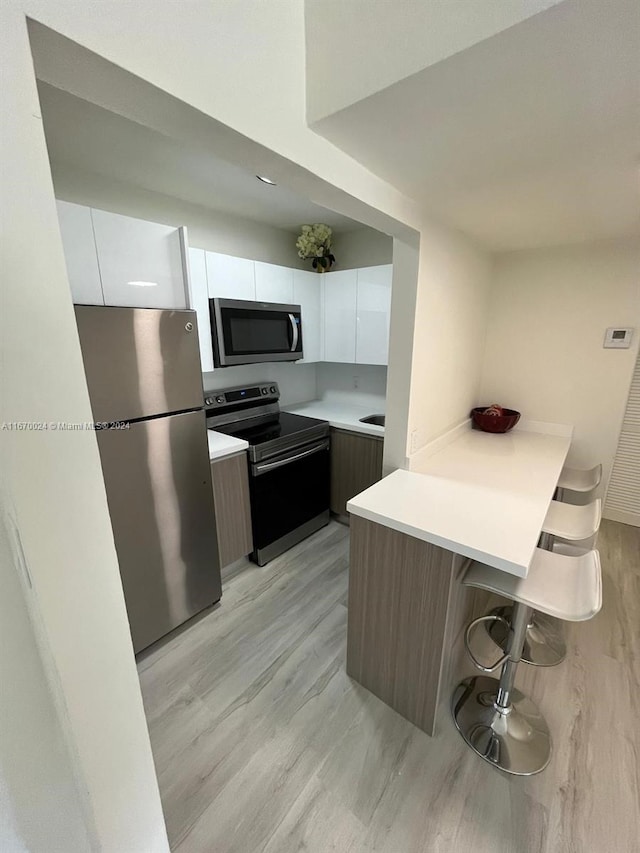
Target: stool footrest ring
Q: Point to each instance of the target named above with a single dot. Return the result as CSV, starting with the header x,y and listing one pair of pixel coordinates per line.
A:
x,y
467,641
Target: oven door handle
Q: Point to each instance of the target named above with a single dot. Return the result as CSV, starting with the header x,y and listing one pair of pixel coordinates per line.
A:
x,y
294,333
265,467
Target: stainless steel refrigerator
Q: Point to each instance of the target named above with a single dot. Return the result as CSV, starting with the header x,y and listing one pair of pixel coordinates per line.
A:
x,y
143,371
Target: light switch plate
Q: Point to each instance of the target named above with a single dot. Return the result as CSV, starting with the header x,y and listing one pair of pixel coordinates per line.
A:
x,y
618,338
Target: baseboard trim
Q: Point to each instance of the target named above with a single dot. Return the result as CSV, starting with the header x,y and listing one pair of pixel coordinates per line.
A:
x,y
417,459
623,516
545,427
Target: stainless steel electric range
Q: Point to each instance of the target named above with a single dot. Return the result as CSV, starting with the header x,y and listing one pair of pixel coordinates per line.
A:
x,y
288,465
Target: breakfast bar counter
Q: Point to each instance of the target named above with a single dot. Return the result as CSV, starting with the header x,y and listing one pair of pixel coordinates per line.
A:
x,y
475,495
484,496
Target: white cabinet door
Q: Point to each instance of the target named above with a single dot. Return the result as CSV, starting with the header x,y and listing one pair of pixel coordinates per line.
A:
x,y
79,246
307,292
340,316
274,283
200,304
373,312
229,277
140,262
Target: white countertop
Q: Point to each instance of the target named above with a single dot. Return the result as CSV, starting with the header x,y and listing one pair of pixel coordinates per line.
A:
x,y
221,445
483,496
340,414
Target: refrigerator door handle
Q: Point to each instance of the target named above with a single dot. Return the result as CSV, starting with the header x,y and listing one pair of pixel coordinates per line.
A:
x,y
294,333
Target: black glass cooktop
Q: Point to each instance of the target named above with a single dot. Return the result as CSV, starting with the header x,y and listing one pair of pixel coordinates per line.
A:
x,y
284,425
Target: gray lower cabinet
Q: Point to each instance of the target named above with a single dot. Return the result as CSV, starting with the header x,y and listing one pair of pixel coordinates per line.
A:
x,y
230,478
356,464
402,619
408,612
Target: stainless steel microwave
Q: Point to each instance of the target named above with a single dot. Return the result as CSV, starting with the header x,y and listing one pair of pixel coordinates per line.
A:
x,y
250,332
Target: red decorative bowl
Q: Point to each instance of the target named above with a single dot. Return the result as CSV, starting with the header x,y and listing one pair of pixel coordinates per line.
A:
x,y
494,423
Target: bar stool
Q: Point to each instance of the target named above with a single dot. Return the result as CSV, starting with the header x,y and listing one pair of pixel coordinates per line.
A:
x,y
578,480
567,521
544,642
501,724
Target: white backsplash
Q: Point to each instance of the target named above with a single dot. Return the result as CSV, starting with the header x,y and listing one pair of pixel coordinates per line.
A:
x,y
358,384
297,382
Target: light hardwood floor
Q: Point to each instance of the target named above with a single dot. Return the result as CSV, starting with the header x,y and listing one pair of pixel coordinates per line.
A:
x,y
262,742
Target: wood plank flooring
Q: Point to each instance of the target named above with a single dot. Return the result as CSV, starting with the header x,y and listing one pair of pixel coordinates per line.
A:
x,y
263,743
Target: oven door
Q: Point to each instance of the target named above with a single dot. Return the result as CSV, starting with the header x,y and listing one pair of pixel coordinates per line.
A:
x,y
250,332
289,498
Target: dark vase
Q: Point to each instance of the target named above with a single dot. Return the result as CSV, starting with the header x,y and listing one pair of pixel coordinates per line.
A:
x,y
323,264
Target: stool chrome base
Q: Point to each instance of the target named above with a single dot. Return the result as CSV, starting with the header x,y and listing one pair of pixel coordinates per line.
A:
x,y
516,741
544,644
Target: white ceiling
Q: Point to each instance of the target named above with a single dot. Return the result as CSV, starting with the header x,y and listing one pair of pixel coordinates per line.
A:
x,y
86,137
528,138
343,58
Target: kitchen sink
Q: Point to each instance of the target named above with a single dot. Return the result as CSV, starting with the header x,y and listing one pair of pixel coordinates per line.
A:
x,y
376,420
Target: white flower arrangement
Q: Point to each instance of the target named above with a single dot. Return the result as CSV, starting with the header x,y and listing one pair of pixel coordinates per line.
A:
x,y
315,242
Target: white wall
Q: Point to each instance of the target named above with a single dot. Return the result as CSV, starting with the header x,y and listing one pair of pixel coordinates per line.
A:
x,y
41,807
359,384
406,260
548,312
344,58
364,247
449,334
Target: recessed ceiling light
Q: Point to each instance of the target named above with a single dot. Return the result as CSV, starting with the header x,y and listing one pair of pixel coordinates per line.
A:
x,y
143,283
266,180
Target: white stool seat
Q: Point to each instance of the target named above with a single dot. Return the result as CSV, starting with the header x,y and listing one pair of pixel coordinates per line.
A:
x,y
569,550
573,522
579,480
568,588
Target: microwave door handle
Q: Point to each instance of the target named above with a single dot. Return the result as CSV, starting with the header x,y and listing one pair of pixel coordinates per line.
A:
x,y
294,333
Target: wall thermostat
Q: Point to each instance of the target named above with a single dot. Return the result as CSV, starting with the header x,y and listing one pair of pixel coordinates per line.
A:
x,y
617,338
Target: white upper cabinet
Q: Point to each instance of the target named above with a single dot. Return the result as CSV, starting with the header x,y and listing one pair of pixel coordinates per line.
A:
x,y
229,277
274,283
340,289
200,304
79,246
373,312
140,262
117,260
307,292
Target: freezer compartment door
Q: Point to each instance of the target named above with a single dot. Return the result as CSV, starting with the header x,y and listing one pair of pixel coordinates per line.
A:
x,y
158,481
139,361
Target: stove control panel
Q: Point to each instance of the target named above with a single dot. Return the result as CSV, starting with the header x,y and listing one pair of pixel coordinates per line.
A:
x,y
231,397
